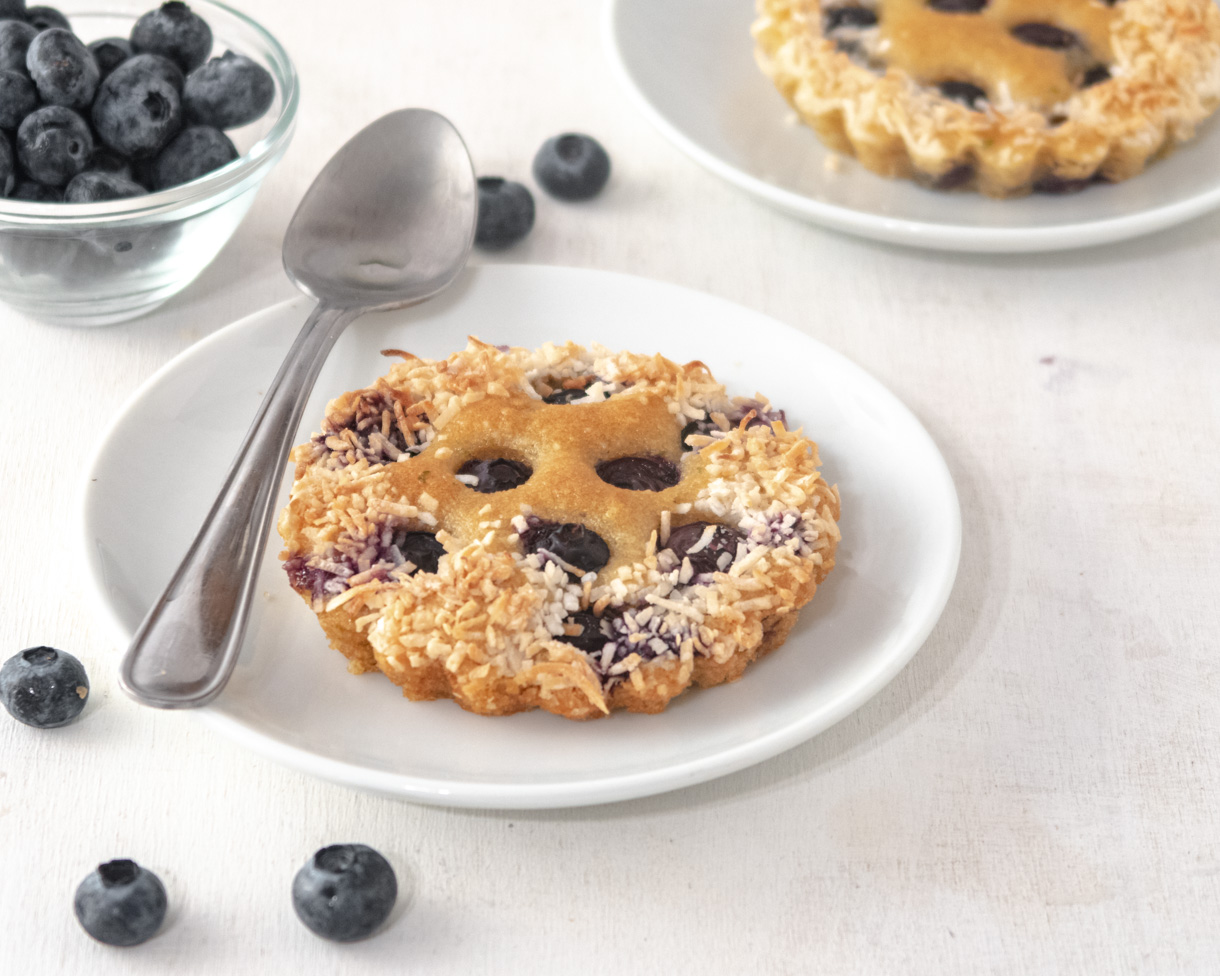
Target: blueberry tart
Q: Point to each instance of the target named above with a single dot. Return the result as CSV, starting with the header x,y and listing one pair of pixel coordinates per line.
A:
x,y
1006,97
566,529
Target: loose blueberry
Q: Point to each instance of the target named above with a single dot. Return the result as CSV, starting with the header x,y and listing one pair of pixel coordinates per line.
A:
x,y
15,38
176,32
590,639
18,98
566,395
344,892
572,166
1095,76
957,6
972,96
14,9
570,541
192,153
1044,35
1057,186
500,474
8,167
92,186
54,144
62,68
506,213
640,473
839,17
46,18
708,559
121,903
43,687
110,52
228,92
35,192
138,108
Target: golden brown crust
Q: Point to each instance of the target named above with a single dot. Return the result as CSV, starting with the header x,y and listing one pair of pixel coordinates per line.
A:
x,y
1045,123
483,625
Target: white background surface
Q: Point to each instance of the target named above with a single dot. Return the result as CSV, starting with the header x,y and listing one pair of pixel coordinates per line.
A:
x,y
1036,792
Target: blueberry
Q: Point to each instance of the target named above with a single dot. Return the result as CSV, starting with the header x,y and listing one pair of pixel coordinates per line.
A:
x,y
8,167
43,687
138,108
35,192
572,166
54,144
121,903
228,92
506,213
110,52
420,548
62,68
565,395
14,9
643,473
1044,35
957,6
18,98
46,18
500,474
344,892
1095,76
838,17
590,639
176,32
192,153
15,38
158,67
92,186
972,96
570,541
106,161
708,559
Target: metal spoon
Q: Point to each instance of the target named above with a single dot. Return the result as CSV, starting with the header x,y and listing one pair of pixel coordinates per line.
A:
x,y
389,222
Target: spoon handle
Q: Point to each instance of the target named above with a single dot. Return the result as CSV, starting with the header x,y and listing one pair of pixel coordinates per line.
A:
x,y
184,651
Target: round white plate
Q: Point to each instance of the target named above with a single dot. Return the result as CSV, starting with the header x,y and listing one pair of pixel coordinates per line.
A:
x,y
689,65
291,697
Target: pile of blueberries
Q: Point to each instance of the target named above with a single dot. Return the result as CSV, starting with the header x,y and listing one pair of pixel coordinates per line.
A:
x,y
343,893
121,116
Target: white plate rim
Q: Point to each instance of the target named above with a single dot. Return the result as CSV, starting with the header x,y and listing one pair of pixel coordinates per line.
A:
x,y
912,233
499,795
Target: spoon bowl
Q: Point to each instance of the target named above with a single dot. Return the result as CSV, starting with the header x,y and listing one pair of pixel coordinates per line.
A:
x,y
388,222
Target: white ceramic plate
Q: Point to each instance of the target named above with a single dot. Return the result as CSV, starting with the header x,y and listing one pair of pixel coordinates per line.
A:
x,y
291,698
689,65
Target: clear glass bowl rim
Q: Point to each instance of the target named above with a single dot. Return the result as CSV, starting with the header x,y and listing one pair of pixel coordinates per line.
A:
x,y
163,203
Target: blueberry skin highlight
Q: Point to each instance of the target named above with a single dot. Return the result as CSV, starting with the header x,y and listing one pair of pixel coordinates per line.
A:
x,y
121,903
138,108
62,68
54,144
15,38
506,213
18,98
174,31
192,153
228,92
344,892
572,166
43,687
93,186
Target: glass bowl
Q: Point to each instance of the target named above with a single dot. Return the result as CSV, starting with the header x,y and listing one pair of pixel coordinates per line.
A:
x,y
100,263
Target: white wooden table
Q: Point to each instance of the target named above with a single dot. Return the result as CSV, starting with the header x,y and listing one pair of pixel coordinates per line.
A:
x,y
1036,793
